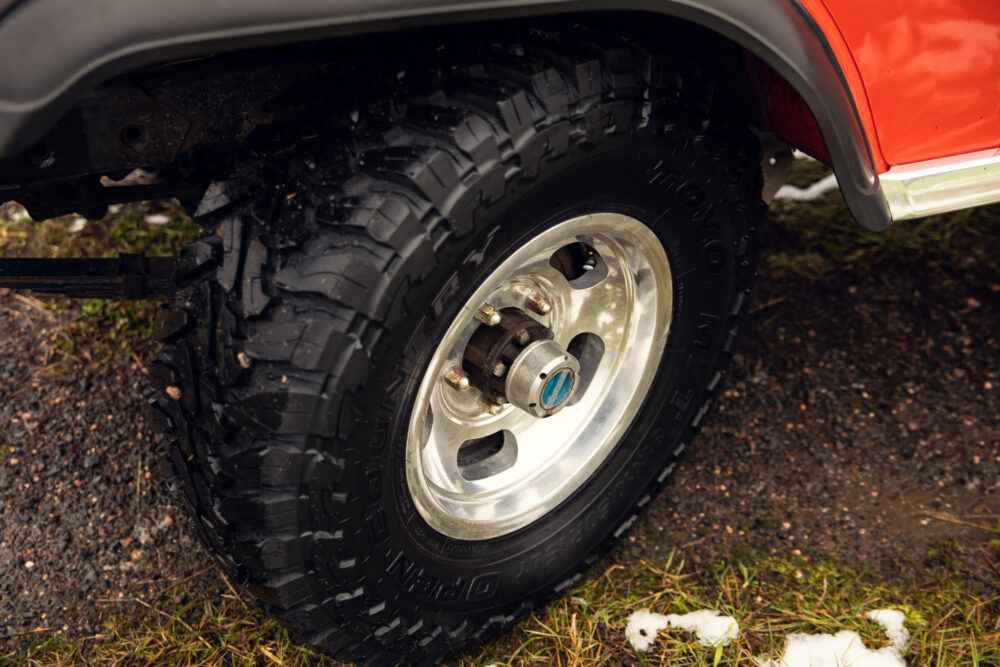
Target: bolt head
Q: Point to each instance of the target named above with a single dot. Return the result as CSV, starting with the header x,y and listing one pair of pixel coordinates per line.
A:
x,y
539,304
499,368
491,407
488,315
522,336
457,379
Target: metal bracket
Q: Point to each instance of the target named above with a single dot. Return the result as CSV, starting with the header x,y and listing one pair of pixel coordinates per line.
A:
x,y
124,277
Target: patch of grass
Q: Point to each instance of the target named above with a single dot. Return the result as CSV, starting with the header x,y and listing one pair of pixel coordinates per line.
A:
x,y
813,241
212,628
770,597
123,230
951,622
101,328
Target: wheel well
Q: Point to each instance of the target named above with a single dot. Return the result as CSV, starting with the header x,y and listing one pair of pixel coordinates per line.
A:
x,y
183,119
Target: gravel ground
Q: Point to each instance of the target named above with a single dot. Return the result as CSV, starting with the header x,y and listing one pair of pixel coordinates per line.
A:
x,y
86,521
861,419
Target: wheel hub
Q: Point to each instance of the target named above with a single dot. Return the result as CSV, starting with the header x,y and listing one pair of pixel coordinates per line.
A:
x,y
542,379
512,358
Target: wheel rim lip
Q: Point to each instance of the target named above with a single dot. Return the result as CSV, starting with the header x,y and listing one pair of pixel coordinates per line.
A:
x,y
474,511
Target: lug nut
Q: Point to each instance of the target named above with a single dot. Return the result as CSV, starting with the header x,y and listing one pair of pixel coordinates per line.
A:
x,y
491,407
522,336
488,315
499,368
457,379
539,304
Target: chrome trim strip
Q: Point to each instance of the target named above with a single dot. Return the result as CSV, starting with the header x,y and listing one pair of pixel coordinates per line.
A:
x,y
943,185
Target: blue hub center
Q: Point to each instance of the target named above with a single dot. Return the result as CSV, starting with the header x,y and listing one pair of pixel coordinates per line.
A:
x,y
557,388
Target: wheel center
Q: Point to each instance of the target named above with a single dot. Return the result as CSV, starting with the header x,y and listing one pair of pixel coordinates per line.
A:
x,y
512,358
542,378
558,388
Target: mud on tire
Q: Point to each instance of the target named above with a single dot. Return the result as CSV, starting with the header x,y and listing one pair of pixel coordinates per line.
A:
x,y
338,250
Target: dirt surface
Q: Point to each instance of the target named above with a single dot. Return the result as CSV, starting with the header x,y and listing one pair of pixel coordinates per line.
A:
x,y
86,523
861,420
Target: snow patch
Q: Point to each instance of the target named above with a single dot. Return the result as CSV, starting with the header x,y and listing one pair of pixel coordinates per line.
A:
x,y
814,191
892,621
846,648
711,628
642,628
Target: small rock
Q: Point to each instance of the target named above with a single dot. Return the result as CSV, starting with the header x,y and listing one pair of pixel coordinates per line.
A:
x,y
29,565
91,460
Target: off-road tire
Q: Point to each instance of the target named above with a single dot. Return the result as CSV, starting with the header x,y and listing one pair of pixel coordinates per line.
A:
x,y
338,250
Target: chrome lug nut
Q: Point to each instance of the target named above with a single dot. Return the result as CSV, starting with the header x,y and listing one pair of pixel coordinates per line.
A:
x,y
457,379
488,315
539,304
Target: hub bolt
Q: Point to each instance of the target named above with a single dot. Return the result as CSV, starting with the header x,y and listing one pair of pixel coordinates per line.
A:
x,y
499,368
457,379
522,336
491,407
488,315
539,304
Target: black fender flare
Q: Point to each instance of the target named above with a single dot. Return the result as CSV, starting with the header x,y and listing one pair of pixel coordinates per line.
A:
x,y
54,51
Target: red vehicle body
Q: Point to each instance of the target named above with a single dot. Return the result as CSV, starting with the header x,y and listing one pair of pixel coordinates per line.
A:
x,y
921,72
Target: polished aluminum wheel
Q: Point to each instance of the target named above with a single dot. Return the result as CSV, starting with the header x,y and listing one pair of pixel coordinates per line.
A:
x,y
481,466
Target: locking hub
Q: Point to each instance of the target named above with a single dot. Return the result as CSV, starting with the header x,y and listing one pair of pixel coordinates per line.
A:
x,y
517,361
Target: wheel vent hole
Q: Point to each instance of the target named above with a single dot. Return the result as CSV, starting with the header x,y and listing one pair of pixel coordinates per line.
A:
x,y
480,458
580,263
588,349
